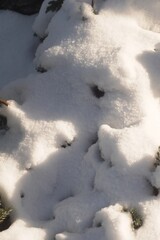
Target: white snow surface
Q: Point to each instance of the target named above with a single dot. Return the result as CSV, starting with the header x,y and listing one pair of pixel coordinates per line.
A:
x,y
83,135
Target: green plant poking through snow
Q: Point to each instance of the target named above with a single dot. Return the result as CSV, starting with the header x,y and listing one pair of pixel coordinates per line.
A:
x,y
54,5
5,220
157,158
4,213
137,220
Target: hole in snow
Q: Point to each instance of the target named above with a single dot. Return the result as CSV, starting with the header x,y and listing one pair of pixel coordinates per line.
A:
x,y
28,167
35,34
98,93
22,195
41,69
3,123
66,144
98,225
155,191
84,18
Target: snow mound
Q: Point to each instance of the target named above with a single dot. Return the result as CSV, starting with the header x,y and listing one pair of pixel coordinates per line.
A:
x,y
82,132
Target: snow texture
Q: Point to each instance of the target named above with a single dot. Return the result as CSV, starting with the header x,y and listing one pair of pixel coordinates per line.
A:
x,y
84,129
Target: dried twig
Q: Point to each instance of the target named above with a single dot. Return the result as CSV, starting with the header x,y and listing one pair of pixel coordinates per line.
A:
x,y
4,102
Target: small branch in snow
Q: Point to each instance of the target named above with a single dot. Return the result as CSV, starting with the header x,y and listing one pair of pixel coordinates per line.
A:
x,y
4,102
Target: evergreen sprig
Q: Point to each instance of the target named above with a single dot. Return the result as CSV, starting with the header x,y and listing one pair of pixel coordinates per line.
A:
x,y
4,213
137,220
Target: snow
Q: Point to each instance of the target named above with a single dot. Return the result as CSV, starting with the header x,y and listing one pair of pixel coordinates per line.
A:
x,y
114,223
84,129
19,231
18,46
42,20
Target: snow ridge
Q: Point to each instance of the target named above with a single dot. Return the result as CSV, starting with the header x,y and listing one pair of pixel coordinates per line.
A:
x,y
83,132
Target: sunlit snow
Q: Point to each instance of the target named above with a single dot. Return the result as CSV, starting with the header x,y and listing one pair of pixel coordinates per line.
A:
x,y
83,121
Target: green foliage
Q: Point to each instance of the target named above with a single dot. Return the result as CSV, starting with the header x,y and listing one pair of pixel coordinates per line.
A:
x,y
156,164
137,220
4,213
97,92
54,5
157,158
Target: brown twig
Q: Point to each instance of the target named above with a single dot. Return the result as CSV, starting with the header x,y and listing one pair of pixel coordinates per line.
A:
x,y
4,102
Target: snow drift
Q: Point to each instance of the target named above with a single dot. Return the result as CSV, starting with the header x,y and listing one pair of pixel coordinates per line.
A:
x,y
78,159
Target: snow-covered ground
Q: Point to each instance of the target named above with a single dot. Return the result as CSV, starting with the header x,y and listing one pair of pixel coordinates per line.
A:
x,y
78,161
17,46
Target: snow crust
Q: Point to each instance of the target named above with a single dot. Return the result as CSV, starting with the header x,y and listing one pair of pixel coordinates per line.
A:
x,y
84,130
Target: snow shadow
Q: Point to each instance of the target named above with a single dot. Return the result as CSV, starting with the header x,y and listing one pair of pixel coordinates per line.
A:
x,y
150,60
17,28
12,136
125,184
44,185
50,194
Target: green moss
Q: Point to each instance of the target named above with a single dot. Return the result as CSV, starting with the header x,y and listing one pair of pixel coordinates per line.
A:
x,y
137,220
157,158
4,213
